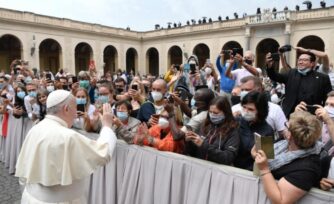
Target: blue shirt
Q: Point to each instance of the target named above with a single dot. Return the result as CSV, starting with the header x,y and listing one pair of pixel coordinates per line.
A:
x,y
226,84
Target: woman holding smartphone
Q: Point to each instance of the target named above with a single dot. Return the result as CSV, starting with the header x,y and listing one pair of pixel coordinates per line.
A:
x,y
218,140
85,110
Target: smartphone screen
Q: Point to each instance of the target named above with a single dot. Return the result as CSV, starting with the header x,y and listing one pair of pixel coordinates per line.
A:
x,y
134,87
81,107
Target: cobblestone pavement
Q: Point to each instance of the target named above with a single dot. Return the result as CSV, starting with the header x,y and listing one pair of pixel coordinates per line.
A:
x,y
9,187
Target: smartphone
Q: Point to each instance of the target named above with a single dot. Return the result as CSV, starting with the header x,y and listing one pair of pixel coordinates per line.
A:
x,y
192,68
48,76
114,112
177,67
170,99
134,87
156,116
311,109
81,107
236,51
74,79
275,57
4,96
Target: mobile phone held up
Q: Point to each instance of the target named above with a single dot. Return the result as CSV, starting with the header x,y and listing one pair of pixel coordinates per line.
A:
x,y
311,109
134,87
81,107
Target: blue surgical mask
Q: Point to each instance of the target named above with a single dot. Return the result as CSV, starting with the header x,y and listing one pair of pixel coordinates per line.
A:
x,y
84,84
21,94
33,94
28,80
1,85
81,101
304,71
123,116
192,102
104,99
216,119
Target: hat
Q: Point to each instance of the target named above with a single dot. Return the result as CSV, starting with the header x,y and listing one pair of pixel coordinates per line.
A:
x,y
56,97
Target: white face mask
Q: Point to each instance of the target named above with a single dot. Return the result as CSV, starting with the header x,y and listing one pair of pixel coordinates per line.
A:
x,y
50,88
227,64
248,116
243,94
163,123
157,96
330,111
208,70
274,99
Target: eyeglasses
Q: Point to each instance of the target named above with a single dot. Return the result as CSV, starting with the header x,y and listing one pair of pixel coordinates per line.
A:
x,y
303,59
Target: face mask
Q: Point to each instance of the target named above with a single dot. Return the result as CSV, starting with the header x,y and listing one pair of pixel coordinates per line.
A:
x,y
235,100
1,85
227,65
163,123
84,84
33,94
28,80
123,116
81,101
193,102
330,111
248,116
104,99
248,61
304,71
21,94
243,94
50,88
274,99
208,70
119,90
216,119
157,96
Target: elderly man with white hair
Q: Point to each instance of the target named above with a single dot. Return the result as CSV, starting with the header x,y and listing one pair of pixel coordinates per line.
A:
x,y
55,162
247,68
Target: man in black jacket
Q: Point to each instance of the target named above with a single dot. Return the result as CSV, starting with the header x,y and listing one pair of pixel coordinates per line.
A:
x,y
301,84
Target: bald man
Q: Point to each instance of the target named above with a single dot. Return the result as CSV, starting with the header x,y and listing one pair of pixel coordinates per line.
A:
x,y
155,105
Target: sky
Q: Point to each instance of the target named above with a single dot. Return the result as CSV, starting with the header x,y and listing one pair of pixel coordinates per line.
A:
x,y
142,15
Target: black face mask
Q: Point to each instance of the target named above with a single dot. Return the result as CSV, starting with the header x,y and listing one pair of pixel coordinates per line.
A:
x,y
235,100
65,87
248,61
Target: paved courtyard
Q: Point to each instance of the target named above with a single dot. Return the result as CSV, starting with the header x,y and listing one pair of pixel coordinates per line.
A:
x,y
9,187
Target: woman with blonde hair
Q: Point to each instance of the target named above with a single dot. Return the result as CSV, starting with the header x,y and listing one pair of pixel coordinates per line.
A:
x,y
297,164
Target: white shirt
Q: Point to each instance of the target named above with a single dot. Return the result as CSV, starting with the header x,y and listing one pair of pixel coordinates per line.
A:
x,y
31,109
275,118
238,74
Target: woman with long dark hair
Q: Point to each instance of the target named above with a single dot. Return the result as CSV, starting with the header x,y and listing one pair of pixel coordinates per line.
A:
x,y
253,119
218,140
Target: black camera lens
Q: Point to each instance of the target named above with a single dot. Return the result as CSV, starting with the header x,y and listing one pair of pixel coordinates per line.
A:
x,y
285,48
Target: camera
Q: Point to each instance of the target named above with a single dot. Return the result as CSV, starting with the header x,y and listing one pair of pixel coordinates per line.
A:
x,y
170,99
311,109
236,51
177,67
275,57
285,48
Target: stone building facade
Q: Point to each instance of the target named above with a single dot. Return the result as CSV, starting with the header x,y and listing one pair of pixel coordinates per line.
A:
x,y
53,43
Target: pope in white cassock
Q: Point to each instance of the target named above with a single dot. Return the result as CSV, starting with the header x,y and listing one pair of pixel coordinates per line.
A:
x,y
56,162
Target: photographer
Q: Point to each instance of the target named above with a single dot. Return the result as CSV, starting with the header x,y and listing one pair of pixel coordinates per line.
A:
x,y
247,67
301,84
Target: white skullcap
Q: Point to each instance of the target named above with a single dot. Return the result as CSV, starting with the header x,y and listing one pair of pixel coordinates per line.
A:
x,y
56,97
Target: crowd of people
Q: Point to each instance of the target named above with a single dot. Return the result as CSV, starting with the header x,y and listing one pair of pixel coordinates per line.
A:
x,y
209,112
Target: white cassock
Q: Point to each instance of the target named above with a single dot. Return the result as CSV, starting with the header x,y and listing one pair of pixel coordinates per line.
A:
x,y
56,162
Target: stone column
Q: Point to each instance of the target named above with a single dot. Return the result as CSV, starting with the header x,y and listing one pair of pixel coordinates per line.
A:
x,y
287,36
248,38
